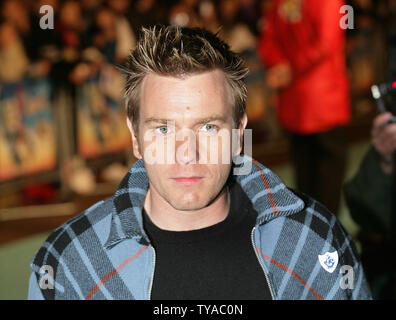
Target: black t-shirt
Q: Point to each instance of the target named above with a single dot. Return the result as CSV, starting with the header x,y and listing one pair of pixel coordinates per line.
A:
x,y
217,262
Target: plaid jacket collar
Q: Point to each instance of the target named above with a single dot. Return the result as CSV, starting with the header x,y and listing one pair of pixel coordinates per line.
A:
x,y
269,196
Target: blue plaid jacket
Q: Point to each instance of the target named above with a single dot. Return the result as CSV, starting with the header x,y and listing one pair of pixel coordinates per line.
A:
x,y
104,252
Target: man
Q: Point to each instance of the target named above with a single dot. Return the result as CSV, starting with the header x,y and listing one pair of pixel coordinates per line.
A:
x,y
183,223
302,44
370,196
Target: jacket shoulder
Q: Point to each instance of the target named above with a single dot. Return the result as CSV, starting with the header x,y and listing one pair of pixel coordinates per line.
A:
x,y
59,240
320,220
310,234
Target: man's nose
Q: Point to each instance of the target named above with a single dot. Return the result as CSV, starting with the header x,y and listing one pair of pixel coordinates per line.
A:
x,y
186,148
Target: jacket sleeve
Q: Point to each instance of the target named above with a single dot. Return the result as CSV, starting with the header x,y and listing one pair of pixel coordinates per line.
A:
x,y
347,280
353,284
47,278
34,291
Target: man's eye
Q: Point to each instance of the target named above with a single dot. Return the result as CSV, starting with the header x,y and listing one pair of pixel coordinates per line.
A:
x,y
162,130
209,128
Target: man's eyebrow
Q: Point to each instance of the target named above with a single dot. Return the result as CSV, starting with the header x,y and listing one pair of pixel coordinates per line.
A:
x,y
219,118
155,120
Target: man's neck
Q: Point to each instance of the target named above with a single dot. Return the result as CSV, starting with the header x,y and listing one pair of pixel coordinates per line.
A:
x,y
165,217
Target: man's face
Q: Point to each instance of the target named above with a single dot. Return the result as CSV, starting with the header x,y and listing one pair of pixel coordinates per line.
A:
x,y
185,117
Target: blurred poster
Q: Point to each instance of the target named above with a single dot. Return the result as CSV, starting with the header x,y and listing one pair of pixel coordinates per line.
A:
x,y
101,115
256,104
261,101
27,136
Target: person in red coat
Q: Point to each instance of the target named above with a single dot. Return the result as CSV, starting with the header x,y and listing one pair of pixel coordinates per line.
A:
x,y
302,45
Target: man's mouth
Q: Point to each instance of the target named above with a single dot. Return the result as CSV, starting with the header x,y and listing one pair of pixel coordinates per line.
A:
x,y
187,181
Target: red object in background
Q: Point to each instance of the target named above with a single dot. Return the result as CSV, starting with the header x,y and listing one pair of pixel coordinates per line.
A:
x,y
312,42
38,194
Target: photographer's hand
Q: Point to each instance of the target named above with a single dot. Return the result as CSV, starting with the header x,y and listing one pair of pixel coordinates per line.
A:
x,y
384,140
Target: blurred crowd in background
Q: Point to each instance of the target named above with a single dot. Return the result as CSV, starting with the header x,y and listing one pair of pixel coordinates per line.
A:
x,y
89,32
97,30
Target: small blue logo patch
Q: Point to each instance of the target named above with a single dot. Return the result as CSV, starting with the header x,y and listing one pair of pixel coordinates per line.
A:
x,y
328,261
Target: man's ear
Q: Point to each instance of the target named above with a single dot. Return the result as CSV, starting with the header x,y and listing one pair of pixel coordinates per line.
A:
x,y
135,141
244,122
242,126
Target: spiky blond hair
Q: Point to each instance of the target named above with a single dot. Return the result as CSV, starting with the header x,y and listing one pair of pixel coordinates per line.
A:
x,y
179,52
